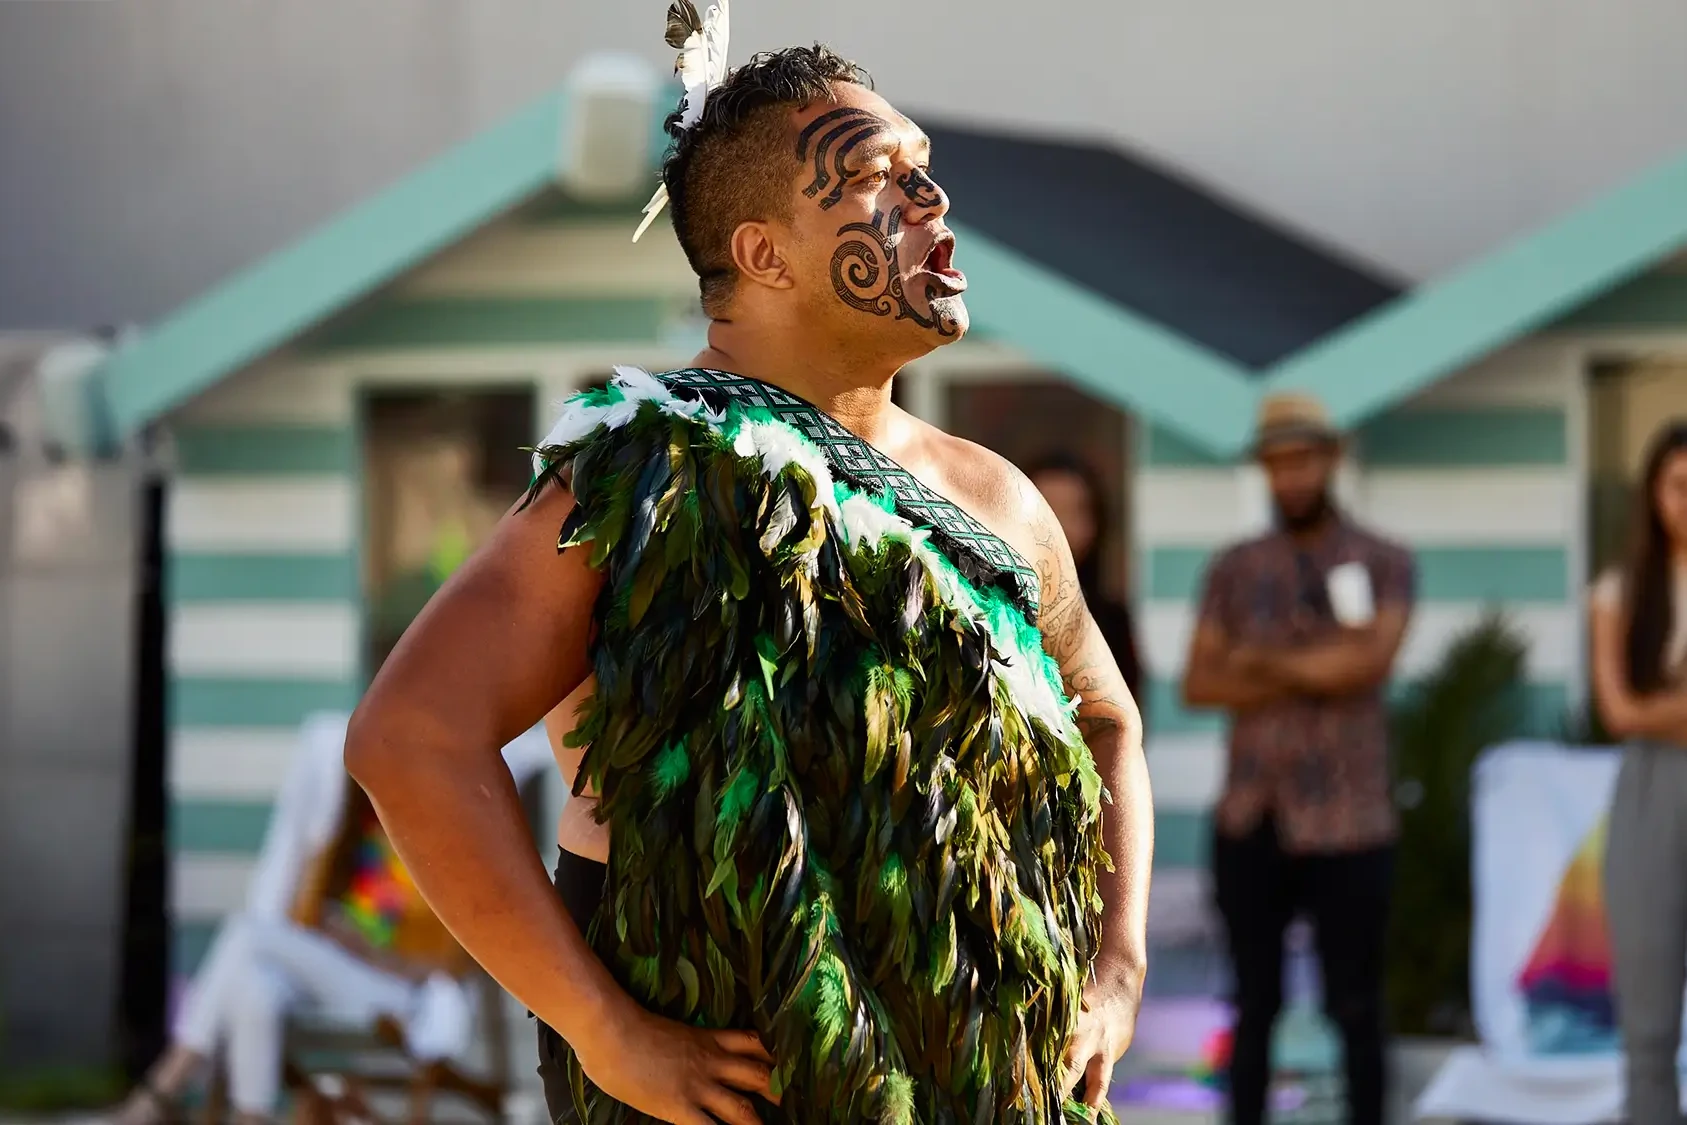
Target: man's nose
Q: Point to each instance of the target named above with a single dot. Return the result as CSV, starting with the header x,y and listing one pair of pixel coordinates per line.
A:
x,y
923,198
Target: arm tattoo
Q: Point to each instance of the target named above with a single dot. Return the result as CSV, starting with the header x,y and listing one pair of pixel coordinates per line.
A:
x,y
1072,639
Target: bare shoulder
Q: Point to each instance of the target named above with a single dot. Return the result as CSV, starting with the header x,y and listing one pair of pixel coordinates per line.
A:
x,y
987,485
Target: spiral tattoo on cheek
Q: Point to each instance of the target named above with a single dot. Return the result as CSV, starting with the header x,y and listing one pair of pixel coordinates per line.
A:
x,y
865,277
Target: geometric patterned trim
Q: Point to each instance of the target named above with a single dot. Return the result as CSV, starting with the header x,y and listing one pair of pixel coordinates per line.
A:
x,y
979,553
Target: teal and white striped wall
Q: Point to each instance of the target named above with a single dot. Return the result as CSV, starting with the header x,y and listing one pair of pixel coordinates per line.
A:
x,y
264,616
1480,477
265,507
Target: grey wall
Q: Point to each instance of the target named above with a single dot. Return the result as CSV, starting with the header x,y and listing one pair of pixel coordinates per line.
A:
x,y
65,740
148,147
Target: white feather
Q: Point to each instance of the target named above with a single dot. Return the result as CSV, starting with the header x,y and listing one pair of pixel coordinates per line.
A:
x,y
577,420
651,210
636,382
702,62
717,29
702,67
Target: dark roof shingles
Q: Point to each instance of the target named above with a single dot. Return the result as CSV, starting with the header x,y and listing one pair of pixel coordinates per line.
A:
x,y
1152,242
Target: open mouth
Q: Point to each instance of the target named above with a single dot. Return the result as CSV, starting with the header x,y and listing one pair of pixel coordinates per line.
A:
x,y
940,263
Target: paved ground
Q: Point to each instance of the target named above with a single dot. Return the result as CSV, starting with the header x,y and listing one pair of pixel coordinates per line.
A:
x,y
1413,1069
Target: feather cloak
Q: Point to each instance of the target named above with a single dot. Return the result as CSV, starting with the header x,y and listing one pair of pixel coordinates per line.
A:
x,y
847,803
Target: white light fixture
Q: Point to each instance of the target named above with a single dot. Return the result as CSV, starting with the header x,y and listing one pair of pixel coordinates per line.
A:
x,y
608,128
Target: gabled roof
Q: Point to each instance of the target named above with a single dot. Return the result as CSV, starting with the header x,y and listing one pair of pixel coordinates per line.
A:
x,y
1162,348
287,293
1153,242
1432,332
1149,292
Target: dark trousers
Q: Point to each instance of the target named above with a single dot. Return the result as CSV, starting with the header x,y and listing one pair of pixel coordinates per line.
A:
x,y
1260,889
579,883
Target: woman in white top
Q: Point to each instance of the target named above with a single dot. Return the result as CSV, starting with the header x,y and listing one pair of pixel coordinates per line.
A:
x,y
1639,617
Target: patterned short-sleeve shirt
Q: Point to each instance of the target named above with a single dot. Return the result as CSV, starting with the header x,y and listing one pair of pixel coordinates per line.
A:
x,y
1318,766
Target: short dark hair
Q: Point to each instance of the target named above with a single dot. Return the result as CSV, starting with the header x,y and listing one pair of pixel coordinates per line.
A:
x,y
738,162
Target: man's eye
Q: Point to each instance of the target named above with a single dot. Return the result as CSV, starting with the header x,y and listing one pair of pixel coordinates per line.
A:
x,y
876,179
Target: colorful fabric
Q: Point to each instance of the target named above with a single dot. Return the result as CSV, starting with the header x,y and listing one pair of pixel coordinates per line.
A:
x,y
380,892
1319,766
1566,982
847,803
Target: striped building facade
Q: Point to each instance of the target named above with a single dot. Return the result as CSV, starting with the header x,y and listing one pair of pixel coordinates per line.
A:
x,y
265,587
263,615
1483,475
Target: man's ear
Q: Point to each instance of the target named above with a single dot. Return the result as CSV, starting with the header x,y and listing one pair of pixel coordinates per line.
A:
x,y
757,254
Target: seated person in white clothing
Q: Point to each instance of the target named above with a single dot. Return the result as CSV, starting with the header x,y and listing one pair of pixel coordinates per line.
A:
x,y
333,927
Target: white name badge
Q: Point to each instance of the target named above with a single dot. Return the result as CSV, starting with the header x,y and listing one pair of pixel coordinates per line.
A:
x,y
1351,598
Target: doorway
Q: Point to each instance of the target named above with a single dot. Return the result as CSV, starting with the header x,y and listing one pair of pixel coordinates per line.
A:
x,y
1629,402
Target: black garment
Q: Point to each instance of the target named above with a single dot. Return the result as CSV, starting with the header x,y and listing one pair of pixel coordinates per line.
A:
x,y
579,883
1260,888
1114,620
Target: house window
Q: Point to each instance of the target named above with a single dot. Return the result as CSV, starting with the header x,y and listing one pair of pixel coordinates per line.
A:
x,y
441,467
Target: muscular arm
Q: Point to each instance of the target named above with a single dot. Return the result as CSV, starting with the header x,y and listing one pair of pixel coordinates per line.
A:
x,y
497,648
1112,727
501,643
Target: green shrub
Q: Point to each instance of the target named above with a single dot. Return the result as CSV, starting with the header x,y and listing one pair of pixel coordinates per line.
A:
x,y
1471,702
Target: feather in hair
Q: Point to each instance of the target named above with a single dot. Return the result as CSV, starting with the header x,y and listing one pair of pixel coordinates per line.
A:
x,y
702,44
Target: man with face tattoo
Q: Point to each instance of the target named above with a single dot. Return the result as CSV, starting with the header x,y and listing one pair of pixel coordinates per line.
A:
x,y
869,830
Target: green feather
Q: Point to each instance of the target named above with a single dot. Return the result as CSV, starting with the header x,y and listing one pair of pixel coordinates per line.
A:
x,y
925,811
830,1009
896,1100
893,878
736,800
669,771
647,975
767,655
943,954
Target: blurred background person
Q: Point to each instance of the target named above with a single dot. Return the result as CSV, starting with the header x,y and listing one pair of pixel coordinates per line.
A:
x,y
1639,632
1074,492
1296,636
333,926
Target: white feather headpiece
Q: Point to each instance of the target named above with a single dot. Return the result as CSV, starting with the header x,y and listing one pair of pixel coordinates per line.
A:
x,y
701,43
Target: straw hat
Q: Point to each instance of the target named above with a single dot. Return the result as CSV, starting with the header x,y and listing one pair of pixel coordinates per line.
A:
x,y
1292,416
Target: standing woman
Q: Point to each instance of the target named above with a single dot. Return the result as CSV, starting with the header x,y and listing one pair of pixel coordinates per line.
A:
x,y
1639,618
1074,493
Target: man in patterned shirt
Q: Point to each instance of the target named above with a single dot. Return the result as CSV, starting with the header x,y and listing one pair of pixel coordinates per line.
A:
x,y
1297,633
